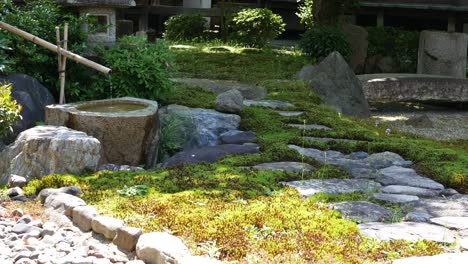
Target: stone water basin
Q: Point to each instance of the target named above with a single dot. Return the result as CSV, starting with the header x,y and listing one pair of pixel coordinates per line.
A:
x,y
128,128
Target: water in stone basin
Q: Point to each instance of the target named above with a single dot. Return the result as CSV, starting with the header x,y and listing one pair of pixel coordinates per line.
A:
x,y
111,108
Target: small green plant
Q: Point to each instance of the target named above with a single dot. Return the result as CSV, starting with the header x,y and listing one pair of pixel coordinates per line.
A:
x,y
9,110
135,190
319,41
139,69
185,28
256,26
305,13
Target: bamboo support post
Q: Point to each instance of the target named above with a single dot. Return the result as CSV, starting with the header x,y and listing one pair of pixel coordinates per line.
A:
x,y
54,48
62,63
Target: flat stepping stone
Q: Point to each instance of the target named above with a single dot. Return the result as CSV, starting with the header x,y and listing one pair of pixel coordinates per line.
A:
x,y
395,198
268,103
362,212
289,113
220,49
248,91
325,139
328,156
409,190
409,231
237,137
452,222
333,186
364,173
396,175
182,47
285,166
449,206
446,258
386,159
309,127
418,215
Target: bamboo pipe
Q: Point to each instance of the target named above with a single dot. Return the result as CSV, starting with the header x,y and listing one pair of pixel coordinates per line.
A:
x,y
54,48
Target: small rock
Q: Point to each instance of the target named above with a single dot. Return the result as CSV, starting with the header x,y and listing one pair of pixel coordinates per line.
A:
x,y
395,198
25,261
25,219
63,202
19,198
24,228
230,102
158,247
83,217
72,190
448,192
17,181
15,191
237,137
127,237
418,216
358,155
17,212
48,229
386,159
106,226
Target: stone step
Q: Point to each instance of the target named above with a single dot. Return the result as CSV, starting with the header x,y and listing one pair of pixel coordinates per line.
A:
x,y
410,231
333,186
289,113
452,222
268,103
409,190
396,175
362,212
285,166
325,139
395,198
309,127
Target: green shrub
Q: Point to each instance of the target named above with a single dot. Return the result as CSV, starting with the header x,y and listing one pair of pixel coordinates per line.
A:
x,y
4,62
255,27
399,44
185,28
319,41
139,69
40,17
9,110
305,14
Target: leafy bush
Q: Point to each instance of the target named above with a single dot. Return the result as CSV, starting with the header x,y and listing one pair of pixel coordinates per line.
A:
x,y
139,69
399,44
305,13
40,17
184,27
9,110
255,27
319,41
4,62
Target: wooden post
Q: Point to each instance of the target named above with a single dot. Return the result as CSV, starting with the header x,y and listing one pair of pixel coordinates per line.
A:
x,y
59,66
63,65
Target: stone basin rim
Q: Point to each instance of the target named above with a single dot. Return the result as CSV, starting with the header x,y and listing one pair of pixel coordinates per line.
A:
x,y
149,110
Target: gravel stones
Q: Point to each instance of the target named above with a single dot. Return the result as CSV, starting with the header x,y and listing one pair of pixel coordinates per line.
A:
x,y
159,247
362,212
106,226
333,186
410,231
127,237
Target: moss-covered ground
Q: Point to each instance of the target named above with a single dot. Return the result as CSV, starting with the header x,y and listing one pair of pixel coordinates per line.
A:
x,y
246,216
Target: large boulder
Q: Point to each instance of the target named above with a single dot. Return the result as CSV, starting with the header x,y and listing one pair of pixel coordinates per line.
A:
x,y
357,38
32,96
184,128
230,102
334,81
45,150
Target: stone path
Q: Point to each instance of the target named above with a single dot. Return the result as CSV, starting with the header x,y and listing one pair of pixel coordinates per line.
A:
x,y
434,213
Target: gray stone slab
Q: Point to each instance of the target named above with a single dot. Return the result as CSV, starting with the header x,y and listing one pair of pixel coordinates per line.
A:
x,y
418,215
386,159
319,155
396,175
286,166
440,207
364,173
268,103
309,127
410,231
452,222
446,258
290,113
395,198
362,212
409,190
325,139
333,186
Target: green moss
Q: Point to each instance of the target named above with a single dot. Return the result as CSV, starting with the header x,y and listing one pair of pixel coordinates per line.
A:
x,y
190,96
51,181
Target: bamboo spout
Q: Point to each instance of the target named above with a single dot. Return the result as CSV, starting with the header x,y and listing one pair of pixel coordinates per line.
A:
x,y
54,48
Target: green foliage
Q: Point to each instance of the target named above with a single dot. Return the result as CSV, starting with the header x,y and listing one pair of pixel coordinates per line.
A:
x,y
9,110
139,69
185,28
328,12
399,44
305,13
51,181
135,190
256,26
319,41
40,17
4,62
